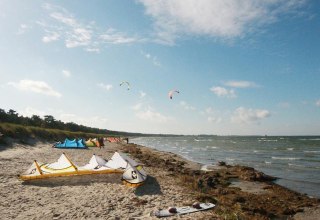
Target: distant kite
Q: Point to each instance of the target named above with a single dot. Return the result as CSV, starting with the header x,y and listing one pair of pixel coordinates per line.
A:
x,y
170,94
125,82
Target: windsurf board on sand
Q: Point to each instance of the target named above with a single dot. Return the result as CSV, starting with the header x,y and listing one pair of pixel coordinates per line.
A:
x,y
183,210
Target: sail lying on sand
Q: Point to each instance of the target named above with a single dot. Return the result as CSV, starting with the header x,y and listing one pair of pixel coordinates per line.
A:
x,y
76,143
121,163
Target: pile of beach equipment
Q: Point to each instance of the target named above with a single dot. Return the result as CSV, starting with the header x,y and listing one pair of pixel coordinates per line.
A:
x,y
133,173
80,143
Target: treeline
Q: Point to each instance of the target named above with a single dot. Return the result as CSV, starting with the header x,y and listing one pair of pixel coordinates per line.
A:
x,y
48,121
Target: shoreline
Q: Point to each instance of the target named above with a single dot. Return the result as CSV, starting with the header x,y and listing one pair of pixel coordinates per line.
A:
x,y
172,181
291,165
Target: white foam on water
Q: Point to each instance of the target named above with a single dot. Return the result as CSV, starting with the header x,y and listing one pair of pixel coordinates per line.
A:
x,y
312,151
309,139
267,162
285,158
290,148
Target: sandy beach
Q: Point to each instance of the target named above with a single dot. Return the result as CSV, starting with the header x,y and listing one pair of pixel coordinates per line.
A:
x,y
238,192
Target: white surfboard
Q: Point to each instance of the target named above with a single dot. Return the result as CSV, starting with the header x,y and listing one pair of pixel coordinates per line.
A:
x,y
184,210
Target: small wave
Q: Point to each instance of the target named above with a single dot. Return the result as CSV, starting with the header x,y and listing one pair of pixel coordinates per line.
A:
x,y
230,159
255,151
295,165
212,147
291,148
309,139
208,140
285,158
267,162
266,140
312,151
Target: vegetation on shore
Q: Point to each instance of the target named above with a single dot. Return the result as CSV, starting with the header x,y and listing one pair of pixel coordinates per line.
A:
x,y
49,122
48,128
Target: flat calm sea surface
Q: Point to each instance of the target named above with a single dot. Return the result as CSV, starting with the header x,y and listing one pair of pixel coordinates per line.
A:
x,y
294,160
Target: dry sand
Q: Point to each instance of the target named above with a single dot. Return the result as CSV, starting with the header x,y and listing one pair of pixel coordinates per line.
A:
x,y
85,197
103,196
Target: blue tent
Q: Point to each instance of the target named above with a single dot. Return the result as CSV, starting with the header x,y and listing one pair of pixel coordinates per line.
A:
x,y
76,143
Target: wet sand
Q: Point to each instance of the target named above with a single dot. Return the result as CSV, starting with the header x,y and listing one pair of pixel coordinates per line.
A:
x,y
172,181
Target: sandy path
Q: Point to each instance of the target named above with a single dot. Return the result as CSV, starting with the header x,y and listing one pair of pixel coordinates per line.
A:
x,y
86,197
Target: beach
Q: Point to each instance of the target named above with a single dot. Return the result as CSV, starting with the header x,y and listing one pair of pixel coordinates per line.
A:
x,y
238,192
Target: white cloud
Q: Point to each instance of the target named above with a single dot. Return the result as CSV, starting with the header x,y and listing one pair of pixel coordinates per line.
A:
x,y
244,115
142,94
113,37
106,87
23,28
66,73
154,59
78,37
219,18
35,86
51,36
62,25
223,92
152,116
318,103
186,106
137,107
241,84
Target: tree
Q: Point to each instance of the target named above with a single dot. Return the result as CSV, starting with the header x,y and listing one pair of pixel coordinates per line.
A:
x,y
13,116
49,121
36,120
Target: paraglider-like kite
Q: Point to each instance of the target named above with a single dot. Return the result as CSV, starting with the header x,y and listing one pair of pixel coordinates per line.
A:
x,y
170,94
125,82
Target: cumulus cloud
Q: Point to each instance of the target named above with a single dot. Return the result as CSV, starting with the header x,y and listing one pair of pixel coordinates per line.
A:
x,y
66,73
106,87
241,84
218,18
147,113
50,36
35,86
223,92
152,116
211,115
244,115
186,106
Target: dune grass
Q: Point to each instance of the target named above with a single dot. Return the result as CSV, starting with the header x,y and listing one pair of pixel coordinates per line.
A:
x,y
17,131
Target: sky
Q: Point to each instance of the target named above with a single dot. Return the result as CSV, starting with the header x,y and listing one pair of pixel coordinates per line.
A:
x,y
242,67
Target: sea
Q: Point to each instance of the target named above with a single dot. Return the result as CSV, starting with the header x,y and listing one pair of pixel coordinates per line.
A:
x,y
294,160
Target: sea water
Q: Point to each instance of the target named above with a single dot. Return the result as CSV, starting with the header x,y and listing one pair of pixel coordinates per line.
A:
x,y
294,160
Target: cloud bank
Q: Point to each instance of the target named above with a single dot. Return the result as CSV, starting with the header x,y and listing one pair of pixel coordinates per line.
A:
x,y
223,19
244,115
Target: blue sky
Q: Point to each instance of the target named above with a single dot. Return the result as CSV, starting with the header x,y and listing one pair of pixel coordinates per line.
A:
x,y
242,67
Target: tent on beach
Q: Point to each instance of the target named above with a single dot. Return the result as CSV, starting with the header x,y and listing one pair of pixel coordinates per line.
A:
x,y
76,143
133,173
